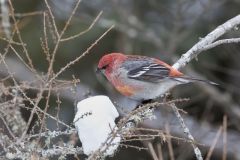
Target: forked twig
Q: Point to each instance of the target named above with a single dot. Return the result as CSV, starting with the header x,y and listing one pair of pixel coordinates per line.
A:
x,y
206,41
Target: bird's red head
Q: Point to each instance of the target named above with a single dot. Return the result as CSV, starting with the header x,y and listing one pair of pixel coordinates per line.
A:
x,y
107,61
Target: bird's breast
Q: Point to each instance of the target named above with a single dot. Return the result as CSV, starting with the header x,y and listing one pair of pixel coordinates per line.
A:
x,y
125,90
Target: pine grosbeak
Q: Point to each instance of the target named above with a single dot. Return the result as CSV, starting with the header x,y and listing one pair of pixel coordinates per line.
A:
x,y
140,77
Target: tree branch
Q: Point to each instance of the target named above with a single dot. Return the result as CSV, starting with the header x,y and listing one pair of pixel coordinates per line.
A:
x,y
187,132
222,41
204,44
208,40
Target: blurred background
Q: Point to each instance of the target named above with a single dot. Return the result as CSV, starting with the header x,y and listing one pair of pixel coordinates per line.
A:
x,y
159,28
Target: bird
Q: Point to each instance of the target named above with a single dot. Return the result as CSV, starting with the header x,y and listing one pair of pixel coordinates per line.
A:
x,y
142,78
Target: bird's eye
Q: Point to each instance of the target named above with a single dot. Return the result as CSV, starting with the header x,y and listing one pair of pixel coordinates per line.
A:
x,y
104,67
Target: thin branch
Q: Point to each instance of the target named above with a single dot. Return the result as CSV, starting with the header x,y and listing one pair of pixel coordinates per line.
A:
x,y
51,30
52,134
27,66
7,127
51,152
169,143
20,15
20,37
61,151
11,41
54,118
45,45
187,132
3,56
160,153
209,154
69,19
52,18
45,111
224,154
83,32
220,42
152,151
207,40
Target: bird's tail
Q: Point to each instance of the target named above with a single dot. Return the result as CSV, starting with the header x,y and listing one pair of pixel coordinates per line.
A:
x,y
187,79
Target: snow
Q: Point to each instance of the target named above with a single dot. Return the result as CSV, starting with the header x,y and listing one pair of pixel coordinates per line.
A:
x,y
94,122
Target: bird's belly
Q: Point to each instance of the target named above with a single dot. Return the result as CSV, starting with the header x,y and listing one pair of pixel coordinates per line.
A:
x,y
153,90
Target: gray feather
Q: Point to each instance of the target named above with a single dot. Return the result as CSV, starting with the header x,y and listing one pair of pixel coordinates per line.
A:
x,y
146,71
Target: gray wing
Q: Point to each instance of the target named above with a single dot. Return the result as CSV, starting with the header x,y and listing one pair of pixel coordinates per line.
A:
x,y
146,71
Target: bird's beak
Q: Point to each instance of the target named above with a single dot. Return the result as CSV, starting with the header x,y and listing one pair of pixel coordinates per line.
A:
x,y
98,70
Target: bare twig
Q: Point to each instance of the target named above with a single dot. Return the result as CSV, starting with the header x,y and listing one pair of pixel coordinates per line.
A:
x,y
220,42
224,154
169,143
152,151
45,45
160,153
69,19
29,67
7,127
187,132
45,111
135,147
154,133
32,114
83,32
20,37
11,41
209,154
20,15
52,134
52,18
